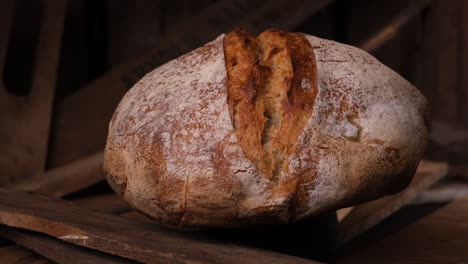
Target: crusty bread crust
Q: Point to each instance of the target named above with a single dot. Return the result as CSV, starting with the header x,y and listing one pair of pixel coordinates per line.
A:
x,y
185,143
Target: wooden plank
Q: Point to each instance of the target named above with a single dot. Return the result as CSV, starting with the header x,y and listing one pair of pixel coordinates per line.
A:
x,y
119,236
394,26
443,38
19,255
440,237
443,192
56,250
81,130
133,28
62,252
67,179
367,215
26,119
463,95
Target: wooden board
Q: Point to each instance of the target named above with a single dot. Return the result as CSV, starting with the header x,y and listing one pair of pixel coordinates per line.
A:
x,y
441,237
67,179
81,130
389,31
443,39
25,119
57,250
19,255
365,216
119,236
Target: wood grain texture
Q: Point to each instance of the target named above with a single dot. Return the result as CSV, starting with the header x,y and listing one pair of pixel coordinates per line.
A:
x,y
367,215
26,119
54,249
119,236
440,237
67,179
19,255
80,130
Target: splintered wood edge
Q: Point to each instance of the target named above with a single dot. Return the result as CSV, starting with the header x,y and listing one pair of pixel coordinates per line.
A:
x,y
120,236
365,216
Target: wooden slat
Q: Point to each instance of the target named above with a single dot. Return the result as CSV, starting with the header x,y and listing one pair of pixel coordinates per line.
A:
x,y
62,252
367,215
67,179
394,26
463,100
133,28
442,193
443,36
24,131
6,16
119,236
19,255
441,237
55,250
80,129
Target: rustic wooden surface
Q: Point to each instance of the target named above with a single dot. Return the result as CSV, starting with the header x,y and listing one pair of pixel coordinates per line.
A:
x,y
440,237
57,250
62,251
445,44
394,25
67,179
121,237
365,216
19,255
80,130
26,119
443,192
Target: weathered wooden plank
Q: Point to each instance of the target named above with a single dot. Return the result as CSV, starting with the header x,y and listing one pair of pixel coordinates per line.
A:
x,y
367,215
26,119
80,130
443,38
133,28
41,244
440,237
443,192
67,179
119,236
463,91
394,26
19,255
55,250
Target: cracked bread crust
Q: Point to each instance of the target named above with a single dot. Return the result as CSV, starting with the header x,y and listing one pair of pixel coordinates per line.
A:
x,y
174,151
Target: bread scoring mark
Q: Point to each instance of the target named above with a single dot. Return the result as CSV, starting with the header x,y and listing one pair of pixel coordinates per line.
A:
x,y
271,93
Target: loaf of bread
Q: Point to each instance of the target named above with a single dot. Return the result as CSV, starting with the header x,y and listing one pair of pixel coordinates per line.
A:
x,y
264,130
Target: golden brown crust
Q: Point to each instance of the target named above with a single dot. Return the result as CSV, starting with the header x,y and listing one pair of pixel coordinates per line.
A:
x,y
271,93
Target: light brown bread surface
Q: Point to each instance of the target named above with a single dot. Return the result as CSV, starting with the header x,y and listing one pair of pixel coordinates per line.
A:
x,y
264,130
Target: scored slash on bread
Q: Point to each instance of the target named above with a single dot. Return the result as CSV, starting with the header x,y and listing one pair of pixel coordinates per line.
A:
x,y
247,131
